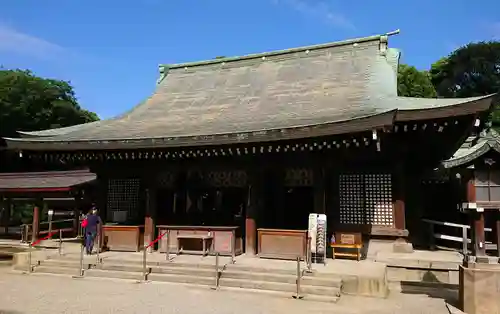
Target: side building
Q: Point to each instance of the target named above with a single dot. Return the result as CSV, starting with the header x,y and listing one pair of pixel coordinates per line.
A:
x,y
475,165
246,147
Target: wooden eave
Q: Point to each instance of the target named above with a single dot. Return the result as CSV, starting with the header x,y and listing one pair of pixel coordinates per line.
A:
x,y
475,147
380,121
461,109
44,182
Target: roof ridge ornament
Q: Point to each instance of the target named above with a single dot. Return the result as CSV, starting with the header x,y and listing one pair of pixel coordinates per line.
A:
x,y
384,41
163,72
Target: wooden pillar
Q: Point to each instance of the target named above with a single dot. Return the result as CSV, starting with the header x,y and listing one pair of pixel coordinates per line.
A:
x,y
8,212
399,190
319,191
477,218
252,210
149,225
497,231
76,218
479,235
36,223
5,209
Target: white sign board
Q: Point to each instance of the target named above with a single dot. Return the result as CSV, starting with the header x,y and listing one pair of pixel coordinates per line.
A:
x,y
321,234
313,221
51,212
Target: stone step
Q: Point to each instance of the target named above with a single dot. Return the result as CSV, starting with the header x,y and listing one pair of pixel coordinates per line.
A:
x,y
321,294
290,288
278,286
232,271
309,297
283,278
133,267
66,263
236,267
312,287
56,270
184,278
115,261
99,273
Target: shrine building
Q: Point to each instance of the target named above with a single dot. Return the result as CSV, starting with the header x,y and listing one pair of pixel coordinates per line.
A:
x,y
245,148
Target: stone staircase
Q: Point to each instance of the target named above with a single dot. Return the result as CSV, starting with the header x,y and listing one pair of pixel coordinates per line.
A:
x,y
282,282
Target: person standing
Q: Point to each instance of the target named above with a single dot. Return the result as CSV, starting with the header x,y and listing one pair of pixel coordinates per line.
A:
x,y
92,225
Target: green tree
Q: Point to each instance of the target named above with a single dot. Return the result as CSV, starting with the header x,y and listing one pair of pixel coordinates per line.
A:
x,y
472,70
31,103
414,83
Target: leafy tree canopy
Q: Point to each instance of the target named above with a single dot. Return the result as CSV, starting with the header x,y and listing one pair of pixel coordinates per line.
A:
x,y
31,103
414,83
472,70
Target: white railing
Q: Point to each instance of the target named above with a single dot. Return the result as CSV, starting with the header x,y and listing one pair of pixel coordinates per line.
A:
x,y
464,239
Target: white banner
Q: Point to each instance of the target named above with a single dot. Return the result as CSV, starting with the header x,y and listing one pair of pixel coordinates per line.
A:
x,y
313,222
321,234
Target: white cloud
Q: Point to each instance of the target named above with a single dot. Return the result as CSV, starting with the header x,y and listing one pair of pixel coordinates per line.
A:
x,y
319,10
17,42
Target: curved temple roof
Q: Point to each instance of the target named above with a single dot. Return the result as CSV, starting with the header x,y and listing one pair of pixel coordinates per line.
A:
x,y
334,88
474,148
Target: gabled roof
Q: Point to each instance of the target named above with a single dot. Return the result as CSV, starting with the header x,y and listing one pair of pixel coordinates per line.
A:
x,y
340,87
44,181
473,148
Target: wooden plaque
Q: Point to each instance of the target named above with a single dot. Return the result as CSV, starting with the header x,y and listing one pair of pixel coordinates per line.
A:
x,y
348,238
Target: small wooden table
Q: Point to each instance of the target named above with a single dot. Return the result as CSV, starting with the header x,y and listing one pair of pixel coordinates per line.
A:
x,y
357,247
347,240
203,238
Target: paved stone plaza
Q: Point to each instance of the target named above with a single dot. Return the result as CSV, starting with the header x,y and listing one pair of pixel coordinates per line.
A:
x,y
60,294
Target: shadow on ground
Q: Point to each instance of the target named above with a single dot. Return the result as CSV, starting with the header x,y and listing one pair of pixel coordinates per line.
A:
x,y
433,288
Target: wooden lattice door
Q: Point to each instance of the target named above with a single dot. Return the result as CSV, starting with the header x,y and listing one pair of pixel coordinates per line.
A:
x,y
366,199
123,199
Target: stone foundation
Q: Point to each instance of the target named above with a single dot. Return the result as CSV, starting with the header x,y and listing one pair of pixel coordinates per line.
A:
x,y
480,288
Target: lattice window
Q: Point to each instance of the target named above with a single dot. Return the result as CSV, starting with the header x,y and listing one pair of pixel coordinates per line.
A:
x,y
366,199
237,178
487,185
123,199
299,177
378,199
351,199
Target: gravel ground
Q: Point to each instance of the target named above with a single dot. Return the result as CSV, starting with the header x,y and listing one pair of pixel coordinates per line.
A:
x,y
60,294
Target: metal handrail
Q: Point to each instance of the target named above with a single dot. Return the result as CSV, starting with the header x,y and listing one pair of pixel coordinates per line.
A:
x,y
300,273
217,272
48,222
464,239
30,251
451,224
27,229
144,254
309,255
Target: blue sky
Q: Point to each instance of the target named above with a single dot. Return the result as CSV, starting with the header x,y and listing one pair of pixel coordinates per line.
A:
x,y
110,50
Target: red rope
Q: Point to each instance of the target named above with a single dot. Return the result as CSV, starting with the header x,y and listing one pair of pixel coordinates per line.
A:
x,y
42,239
156,240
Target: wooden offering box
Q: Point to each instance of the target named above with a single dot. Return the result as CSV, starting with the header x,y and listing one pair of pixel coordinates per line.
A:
x,y
282,244
347,241
123,238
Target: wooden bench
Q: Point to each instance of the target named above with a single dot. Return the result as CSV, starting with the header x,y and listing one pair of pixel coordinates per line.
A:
x,y
356,247
204,238
351,241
